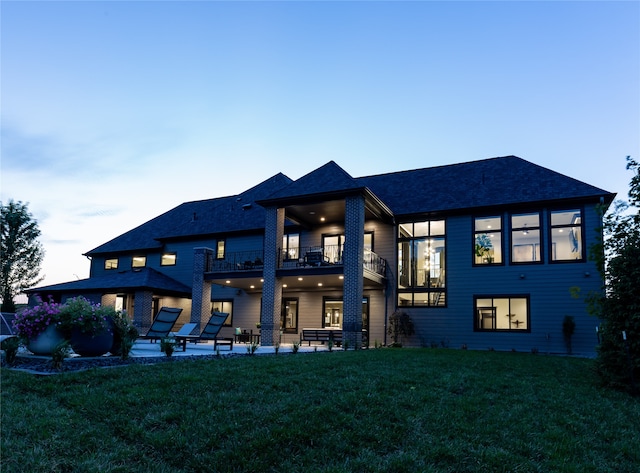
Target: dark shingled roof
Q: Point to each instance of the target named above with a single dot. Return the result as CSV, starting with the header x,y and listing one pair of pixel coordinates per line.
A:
x,y
143,278
466,186
485,183
204,217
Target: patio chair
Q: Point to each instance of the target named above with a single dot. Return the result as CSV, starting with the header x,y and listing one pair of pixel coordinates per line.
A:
x,y
209,332
6,325
162,324
184,331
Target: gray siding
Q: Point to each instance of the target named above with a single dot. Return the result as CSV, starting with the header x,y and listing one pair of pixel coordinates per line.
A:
x,y
549,287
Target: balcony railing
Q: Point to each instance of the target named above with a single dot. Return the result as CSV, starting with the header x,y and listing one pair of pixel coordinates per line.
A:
x,y
238,261
299,257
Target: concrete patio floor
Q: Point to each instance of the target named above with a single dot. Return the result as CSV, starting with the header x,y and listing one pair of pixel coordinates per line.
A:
x,y
147,348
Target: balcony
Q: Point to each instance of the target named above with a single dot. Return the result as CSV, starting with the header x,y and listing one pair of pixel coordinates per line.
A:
x,y
300,258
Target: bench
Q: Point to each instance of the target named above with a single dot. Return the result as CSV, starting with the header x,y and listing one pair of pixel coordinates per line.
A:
x,y
321,335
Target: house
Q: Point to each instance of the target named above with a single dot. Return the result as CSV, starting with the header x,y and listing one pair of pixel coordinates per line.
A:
x,y
483,254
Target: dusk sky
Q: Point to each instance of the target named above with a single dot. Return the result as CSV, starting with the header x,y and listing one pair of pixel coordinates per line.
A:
x,y
115,112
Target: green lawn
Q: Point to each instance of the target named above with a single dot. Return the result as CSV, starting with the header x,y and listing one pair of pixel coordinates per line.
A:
x,y
388,410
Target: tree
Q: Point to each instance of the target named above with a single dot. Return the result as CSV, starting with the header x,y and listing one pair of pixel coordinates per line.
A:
x,y
619,306
22,254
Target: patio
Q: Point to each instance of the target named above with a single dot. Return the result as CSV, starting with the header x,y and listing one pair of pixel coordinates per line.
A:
x,y
148,352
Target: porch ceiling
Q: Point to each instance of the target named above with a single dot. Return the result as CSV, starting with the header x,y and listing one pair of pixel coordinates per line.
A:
x,y
310,214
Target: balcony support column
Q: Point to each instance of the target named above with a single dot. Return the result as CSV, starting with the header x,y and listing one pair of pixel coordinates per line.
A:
x,y
200,289
272,287
353,270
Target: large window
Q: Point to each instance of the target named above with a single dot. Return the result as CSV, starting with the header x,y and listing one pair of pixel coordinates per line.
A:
x,y
501,313
226,307
291,246
487,240
422,263
333,246
525,238
566,235
333,312
289,318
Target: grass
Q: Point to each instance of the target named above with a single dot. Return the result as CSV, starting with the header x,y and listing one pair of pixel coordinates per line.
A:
x,y
399,410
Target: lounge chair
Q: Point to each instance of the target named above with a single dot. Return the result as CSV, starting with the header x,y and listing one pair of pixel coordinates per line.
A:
x,y
6,325
162,324
209,332
185,330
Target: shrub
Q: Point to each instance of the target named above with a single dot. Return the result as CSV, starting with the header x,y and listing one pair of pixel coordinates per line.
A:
x,y
10,346
400,326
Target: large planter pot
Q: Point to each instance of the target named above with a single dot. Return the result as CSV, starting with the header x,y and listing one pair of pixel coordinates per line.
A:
x,y
46,342
91,344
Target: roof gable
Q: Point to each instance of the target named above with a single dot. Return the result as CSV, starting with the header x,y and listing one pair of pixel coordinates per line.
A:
x,y
329,178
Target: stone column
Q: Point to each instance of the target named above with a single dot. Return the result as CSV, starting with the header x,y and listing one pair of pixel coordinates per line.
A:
x,y
142,310
272,286
353,272
200,289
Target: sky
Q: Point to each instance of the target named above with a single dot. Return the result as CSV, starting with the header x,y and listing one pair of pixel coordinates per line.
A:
x,y
115,112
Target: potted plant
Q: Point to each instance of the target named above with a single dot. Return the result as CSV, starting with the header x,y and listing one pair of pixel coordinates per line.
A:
x,y
168,345
124,333
88,325
39,327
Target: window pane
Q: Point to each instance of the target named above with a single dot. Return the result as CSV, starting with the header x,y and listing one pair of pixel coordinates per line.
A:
x,y
518,314
220,250
566,235
405,230
289,321
566,243
525,220
168,259
526,246
226,307
437,227
488,224
405,299
111,263
291,245
139,262
404,264
333,313
488,248
502,313
525,238
420,229
368,241
566,217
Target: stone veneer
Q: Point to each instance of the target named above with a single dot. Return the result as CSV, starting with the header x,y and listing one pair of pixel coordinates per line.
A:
x,y
201,289
272,287
353,272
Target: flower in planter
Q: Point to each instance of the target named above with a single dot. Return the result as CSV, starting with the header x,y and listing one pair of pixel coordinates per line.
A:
x,y
32,321
80,313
